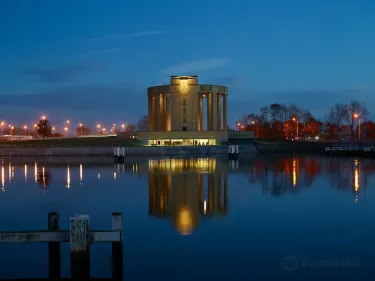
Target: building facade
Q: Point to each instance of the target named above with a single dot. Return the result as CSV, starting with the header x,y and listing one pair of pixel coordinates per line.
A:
x,y
186,113
179,106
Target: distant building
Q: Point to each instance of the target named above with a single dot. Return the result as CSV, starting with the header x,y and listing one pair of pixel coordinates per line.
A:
x,y
176,113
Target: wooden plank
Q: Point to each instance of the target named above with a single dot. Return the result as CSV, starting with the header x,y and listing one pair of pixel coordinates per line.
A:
x,y
54,257
55,236
79,247
117,249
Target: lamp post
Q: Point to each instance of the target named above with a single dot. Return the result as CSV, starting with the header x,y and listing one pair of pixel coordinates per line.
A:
x,y
66,131
356,116
35,127
2,127
123,127
295,119
11,130
81,126
98,126
25,128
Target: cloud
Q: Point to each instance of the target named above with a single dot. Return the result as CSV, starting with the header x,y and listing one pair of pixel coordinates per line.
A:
x,y
58,75
105,51
141,34
190,68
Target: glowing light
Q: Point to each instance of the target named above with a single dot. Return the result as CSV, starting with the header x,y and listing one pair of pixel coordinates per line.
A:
x,y
98,176
44,177
185,221
80,173
294,171
36,173
2,178
355,115
205,207
10,172
25,173
68,177
356,177
114,175
43,117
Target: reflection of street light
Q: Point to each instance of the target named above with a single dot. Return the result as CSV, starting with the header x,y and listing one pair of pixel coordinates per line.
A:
x,y
356,116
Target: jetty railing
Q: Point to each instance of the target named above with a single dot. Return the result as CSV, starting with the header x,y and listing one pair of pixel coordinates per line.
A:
x,y
80,237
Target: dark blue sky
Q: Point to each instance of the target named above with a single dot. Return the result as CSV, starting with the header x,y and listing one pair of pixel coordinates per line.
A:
x,y
91,61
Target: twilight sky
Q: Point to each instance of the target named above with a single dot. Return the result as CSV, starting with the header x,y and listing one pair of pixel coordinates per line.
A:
x,y
91,61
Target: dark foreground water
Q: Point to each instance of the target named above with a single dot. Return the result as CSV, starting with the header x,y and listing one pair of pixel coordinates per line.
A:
x,y
269,218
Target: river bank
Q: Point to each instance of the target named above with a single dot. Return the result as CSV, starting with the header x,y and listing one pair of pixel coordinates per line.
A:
x,y
131,150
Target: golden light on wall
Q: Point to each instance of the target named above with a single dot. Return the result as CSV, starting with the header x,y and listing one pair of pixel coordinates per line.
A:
x,y
184,86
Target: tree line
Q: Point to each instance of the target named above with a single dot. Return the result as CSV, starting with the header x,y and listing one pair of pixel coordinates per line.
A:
x,y
280,121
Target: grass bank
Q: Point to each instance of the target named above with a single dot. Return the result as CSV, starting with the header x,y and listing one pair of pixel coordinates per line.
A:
x,y
73,142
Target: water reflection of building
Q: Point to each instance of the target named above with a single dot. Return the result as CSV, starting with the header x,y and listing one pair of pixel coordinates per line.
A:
x,y
187,190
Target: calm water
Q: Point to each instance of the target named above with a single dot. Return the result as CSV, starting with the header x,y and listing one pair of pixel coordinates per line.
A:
x,y
268,218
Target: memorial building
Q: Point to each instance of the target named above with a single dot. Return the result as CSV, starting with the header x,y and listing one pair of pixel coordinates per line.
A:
x,y
186,113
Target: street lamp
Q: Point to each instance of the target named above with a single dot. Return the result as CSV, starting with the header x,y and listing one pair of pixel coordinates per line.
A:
x,y
35,127
81,126
295,119
44,117
356,116
123,127
66,131
25,127
2,127
11,130
98,126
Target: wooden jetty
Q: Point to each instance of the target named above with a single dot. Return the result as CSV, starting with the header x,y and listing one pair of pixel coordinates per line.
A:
x,y
80,237
350,150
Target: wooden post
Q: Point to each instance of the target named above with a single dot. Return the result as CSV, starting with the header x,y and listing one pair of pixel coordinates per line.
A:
x,y
54,258
79,247
117,252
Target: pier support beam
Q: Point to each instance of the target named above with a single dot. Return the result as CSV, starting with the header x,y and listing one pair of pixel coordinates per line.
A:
x,y
79,247
117,252
54,258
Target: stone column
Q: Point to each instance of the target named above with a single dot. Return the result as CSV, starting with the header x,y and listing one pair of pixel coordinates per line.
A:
x,y
218,111
168,114
210,112
161,113
151,112
225,112
200,113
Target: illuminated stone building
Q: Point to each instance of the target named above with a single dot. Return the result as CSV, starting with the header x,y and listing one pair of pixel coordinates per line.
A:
x,y
187,190
187,113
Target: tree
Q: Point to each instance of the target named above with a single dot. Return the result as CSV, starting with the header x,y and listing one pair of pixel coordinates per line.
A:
x,y
142,124
130,128
312,127
44,129
337,115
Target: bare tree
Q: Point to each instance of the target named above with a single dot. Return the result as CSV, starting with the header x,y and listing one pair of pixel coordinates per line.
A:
x,y
337,115
264,114
142,124
356,110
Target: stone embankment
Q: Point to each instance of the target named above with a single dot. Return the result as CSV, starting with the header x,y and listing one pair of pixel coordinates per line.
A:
x,y
131,150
